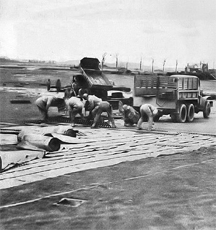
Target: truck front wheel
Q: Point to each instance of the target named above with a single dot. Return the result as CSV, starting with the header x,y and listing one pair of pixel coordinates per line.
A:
x,y
206,110
182,115
190,113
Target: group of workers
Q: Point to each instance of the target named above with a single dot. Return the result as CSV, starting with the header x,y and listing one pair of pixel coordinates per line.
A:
x,y
95,106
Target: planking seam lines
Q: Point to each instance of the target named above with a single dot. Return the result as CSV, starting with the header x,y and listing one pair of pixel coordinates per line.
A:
x,y
108,149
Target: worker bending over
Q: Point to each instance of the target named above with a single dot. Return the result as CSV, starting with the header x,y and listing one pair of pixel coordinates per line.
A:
x,y
130,115
149,111
44,102
96,107
75,106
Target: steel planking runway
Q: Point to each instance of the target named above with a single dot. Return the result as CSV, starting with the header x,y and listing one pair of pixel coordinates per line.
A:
x,y
111,146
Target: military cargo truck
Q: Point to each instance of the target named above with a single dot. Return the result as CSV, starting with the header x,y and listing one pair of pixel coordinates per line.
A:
x,y
179,96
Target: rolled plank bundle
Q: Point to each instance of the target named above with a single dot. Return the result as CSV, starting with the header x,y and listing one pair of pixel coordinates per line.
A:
x,y
37,141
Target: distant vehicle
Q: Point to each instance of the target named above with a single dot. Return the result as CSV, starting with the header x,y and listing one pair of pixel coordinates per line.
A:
x,y
179,96
57,86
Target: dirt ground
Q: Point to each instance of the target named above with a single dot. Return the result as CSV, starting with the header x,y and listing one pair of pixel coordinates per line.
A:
x,y
168,192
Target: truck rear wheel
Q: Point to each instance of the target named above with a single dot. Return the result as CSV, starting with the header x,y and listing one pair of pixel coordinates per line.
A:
x,y
182,115
190,113
206,110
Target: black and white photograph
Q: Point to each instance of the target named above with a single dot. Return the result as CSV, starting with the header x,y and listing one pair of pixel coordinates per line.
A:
x,y
107,114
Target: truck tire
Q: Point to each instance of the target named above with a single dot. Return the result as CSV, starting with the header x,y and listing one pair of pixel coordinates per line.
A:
x,y
190,113
206,110
182,115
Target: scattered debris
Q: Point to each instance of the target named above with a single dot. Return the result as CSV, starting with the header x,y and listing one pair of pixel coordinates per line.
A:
x,y
19,85
102,123
72,202
20,101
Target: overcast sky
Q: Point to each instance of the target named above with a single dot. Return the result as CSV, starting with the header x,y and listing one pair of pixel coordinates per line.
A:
x,y
71,29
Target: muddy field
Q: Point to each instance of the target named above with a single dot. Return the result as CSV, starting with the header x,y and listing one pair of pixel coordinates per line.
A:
x,y
25,84
29,83
168,192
